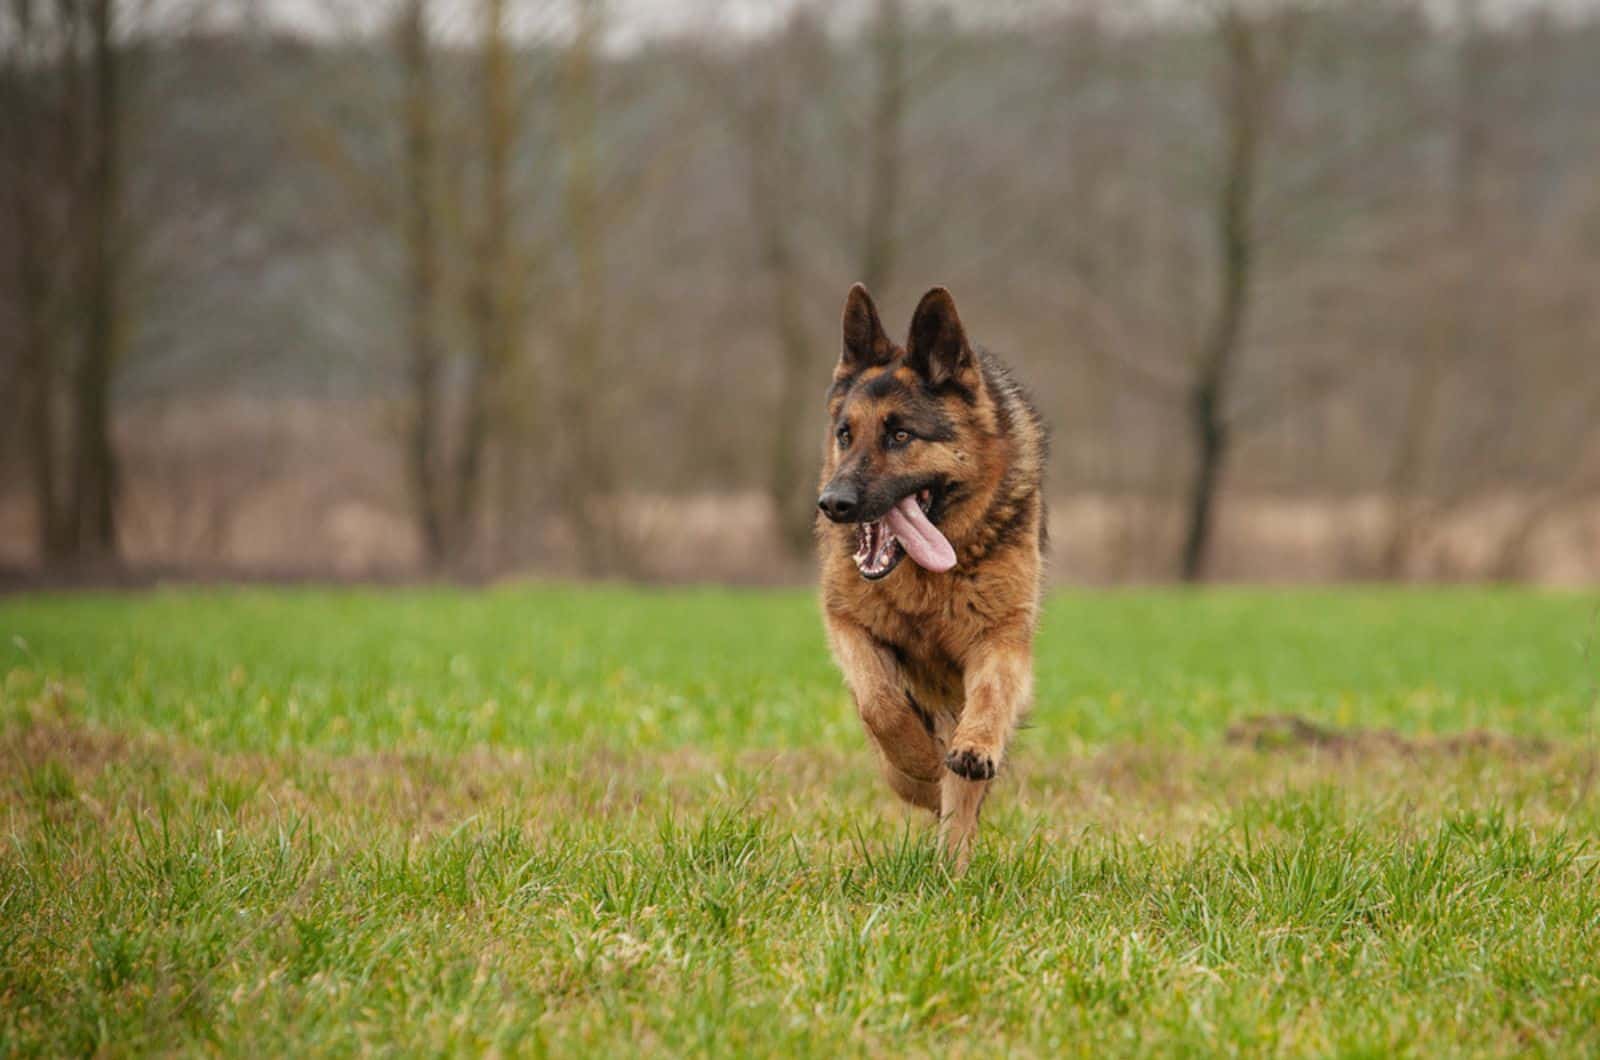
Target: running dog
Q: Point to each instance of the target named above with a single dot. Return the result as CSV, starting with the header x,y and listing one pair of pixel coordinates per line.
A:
x,y
936,455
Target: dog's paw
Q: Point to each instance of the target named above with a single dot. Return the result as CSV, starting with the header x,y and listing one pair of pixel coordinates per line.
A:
x,y
974,765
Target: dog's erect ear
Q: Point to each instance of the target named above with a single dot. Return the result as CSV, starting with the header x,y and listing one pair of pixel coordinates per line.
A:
x,y
937,349
865,343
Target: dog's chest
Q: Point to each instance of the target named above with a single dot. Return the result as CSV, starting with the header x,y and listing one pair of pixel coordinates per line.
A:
x,y
931,672
931,633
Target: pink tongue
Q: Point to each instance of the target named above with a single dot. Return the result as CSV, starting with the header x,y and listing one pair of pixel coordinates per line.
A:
x,y
920,538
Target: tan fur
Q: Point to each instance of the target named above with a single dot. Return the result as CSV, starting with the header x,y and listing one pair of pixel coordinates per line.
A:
x,y
957,645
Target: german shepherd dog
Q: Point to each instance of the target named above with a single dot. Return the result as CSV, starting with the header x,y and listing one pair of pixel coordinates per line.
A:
x,y
936,454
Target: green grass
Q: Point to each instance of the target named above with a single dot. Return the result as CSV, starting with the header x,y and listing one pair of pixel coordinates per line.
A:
x,y
605,820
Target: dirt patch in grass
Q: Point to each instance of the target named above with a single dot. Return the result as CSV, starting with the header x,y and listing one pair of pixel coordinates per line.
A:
x,y
1283,732
79,748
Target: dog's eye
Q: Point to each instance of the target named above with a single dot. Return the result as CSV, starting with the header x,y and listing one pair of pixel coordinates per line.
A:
x,y
843,435
901,437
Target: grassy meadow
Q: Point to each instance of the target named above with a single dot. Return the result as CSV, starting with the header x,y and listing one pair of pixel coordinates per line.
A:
x,y
549,820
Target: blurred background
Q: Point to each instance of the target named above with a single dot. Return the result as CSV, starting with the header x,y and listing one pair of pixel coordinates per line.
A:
x,y
356,289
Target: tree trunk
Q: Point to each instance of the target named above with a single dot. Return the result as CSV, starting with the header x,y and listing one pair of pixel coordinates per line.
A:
x,y
40,122
488,308
1242,111
95,488
422,253
25,149
1211,451
587,476
773,166
37,377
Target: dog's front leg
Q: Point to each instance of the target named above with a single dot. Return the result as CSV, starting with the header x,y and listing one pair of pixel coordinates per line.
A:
x,y
902,733
998,686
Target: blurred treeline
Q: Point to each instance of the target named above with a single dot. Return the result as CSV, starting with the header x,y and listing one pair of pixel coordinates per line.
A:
x,y
1305,289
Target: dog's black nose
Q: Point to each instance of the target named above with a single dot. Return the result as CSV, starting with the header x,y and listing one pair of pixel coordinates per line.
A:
x,y
839,503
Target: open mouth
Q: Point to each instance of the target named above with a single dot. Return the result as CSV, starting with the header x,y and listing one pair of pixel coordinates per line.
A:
x,y
878,544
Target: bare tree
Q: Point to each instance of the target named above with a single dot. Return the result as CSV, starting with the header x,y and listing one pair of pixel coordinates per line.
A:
x,y
65,122
1451,334
1250,81
38,164
587,481
419,206
459,262
95,482
763,108
767,102
492,276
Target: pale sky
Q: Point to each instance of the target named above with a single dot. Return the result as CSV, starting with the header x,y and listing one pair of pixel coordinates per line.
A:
x,y
635,20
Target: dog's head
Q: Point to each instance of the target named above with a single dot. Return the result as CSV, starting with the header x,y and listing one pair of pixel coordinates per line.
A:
x,y
902,432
